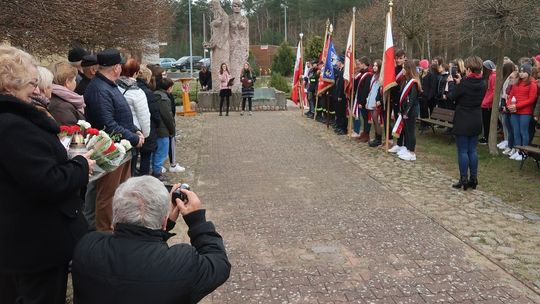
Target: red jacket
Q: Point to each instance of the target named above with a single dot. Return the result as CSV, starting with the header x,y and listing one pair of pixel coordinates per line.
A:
x,y
525,97
487,102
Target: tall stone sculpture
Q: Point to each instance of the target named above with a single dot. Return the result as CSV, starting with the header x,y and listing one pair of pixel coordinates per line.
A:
x,y
219,42
239,40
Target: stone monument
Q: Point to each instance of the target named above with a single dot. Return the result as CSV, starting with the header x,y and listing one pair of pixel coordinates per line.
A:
x,y
219,42
239,39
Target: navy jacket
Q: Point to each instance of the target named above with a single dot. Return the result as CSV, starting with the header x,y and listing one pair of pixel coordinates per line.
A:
x,y
107,109
135,265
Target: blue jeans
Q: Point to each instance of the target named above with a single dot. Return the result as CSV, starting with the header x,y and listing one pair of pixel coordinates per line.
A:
x,y
520,127
467,155
160,155
509,131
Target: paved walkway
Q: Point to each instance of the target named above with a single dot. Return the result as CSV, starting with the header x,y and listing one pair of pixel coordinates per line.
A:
x,y
307,218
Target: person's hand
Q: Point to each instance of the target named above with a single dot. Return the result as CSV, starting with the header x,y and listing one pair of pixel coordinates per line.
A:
x,y
536,118
91,162
405,117
378,103
359,106
193,204
173,215
450,78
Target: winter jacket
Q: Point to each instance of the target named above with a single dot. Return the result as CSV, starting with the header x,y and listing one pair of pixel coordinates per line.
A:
x,y
108,109
410,102
314,80
64,112
338,93
82,85
224,80
374,93
394,92
206,79
138,104
468,96
525,95
155,116
487,102
135,265
363,88
167,126
40,190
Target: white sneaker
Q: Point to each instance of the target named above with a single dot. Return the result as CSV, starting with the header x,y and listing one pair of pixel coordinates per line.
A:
x,y
163,170
502,145
394,149
176,168
355,135
402,151
410,156
519,157
250,113
507,151
514,155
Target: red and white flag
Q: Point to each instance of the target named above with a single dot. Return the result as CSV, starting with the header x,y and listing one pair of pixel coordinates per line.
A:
x,y
298,78
388,72
348,70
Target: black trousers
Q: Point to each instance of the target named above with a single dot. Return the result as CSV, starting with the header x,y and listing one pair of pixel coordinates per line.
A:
x,y
409,131
146,156
341,114
244,103
424,110
486,117
46,287
223,98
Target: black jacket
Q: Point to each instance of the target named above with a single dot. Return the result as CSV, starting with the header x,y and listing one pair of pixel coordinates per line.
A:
x,y
82,85
206,79
395,91
338,93
362,89
135,265
40,208
468,96
155,116
409,105
314,80
167,125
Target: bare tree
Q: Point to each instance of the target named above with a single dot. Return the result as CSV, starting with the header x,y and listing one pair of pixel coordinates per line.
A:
x,y
505,21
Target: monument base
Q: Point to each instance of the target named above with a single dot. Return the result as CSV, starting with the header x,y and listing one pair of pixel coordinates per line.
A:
x,y
264,99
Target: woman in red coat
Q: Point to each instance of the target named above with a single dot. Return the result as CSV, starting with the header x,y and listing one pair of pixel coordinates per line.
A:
x,y
520,104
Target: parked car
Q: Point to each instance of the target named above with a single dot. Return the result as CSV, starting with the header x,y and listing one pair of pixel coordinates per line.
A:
x,y
184,62
203,62
166,63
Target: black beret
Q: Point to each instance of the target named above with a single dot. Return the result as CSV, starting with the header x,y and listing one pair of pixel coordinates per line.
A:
x,y
109,57
76,54
89,60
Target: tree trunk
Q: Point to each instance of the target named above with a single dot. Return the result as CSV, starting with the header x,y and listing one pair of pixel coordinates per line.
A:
x,y
497,96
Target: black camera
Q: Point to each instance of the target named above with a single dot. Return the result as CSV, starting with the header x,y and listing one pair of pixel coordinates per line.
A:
x,y
179,194
454,71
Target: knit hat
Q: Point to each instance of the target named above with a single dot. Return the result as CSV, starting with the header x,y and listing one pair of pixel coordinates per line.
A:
x,y
526,68
537,57
424,64
488,64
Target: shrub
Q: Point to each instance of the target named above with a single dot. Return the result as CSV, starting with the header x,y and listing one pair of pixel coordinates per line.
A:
x,y
283,61
314,48
278,82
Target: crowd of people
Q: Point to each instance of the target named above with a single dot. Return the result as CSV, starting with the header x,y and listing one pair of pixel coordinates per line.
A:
x,y
465,86
50,210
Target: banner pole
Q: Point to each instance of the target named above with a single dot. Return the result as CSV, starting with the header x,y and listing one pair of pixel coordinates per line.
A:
x,y
317,90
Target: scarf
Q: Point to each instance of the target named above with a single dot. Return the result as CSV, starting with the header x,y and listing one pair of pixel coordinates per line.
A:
x,y
69,96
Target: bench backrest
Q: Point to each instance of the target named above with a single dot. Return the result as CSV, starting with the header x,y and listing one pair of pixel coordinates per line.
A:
x,y
443,114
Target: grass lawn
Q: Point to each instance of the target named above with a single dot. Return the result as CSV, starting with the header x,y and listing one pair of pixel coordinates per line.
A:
x,y
496,174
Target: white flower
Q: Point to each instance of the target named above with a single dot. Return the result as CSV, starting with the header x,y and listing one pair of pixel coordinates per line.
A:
x,y
127,145
84,124
120,148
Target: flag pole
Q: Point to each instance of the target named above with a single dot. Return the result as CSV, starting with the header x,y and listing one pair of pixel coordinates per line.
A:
x,y
388,99
317,91
349,126
328,101
300,83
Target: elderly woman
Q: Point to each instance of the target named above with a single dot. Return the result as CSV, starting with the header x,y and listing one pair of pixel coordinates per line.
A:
x,y
468,94
42,99
67,107
40,190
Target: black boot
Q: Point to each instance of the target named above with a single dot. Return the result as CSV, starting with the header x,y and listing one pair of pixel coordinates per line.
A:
x,y
463,182
473,182
376,142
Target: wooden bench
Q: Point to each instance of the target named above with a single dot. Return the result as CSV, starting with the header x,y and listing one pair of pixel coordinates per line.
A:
x,y
440,117
532,150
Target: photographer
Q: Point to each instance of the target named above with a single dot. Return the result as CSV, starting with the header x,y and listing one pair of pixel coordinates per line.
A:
x,y
136,259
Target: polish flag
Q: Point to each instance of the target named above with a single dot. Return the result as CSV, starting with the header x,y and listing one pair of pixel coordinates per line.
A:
x,y
348,71
298,81
388,72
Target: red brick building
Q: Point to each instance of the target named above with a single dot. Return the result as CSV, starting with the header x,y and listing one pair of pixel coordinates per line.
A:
x,y
263,56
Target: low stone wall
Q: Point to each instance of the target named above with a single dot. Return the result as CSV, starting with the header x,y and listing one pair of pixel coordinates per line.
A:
x,y
264,99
